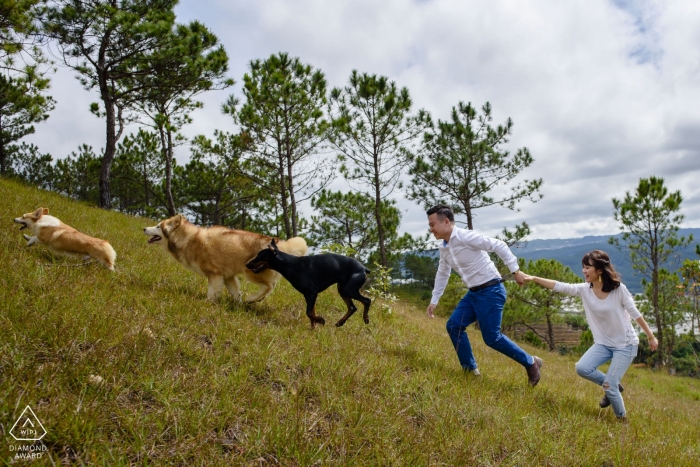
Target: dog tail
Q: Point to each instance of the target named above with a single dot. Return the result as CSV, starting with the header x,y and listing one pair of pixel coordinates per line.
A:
x,y
294,246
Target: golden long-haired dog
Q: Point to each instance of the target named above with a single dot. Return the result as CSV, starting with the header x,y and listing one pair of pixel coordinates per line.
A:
x,y
220,254
64,239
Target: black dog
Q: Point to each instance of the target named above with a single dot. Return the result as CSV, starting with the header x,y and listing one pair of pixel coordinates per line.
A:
x,y
311,275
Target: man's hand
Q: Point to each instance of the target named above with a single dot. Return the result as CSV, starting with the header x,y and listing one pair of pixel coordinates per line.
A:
x,y
519,277
430,310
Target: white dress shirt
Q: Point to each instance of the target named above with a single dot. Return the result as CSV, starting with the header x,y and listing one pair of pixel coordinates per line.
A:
x,y
466,253
609,319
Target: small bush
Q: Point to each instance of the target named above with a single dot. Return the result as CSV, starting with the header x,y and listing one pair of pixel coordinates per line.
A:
x,y
533,339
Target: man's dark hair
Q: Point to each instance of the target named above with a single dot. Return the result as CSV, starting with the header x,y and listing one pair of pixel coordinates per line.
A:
x,y
442,211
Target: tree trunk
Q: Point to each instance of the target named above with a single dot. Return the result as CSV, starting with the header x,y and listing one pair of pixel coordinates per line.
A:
x,y
283,195
468,211
145,185
3,159
377,215
292,199
105,197
655,304
166,146
550,332
3,153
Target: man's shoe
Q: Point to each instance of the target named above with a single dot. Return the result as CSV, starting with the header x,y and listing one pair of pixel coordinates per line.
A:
x,y
475,372
533,372
605,402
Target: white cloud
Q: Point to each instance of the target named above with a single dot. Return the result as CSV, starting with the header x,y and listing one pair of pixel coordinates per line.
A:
x,y
602,93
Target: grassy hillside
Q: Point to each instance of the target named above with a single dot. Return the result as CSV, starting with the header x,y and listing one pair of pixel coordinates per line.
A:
x,y
187,382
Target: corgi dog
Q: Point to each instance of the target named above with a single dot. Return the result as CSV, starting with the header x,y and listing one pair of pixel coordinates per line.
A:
x,y
64,239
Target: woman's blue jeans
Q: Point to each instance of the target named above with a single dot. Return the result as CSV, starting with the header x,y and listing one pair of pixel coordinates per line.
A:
x,y
486,307
620,359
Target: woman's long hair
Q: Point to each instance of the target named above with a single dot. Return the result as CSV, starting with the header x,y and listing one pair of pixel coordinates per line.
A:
x,y
600,260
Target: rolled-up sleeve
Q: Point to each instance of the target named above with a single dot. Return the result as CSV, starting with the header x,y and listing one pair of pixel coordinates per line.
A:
x,y
441,278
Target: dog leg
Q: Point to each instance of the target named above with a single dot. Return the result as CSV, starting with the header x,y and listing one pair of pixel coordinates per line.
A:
x,y
216,283
30,240
232,285
265,280
351,308
311,310
366,302
353,291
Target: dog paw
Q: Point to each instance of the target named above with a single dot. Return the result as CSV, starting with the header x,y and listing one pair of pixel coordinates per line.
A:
x,y
339,324
320,320
365,319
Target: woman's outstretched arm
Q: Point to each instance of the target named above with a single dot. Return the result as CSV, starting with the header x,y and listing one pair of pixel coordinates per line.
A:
x,y
548,283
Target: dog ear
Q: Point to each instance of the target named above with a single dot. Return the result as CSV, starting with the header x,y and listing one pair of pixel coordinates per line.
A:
x,y
273,246
45,211
177,222
37,214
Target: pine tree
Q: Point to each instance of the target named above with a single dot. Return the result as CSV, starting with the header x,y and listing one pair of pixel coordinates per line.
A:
x,y
461,163
649,220
347,219
22,103
213,185
110,43
372,130
283,114
192,62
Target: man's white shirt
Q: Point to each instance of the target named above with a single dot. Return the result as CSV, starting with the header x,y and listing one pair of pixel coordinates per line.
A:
x,y
467,253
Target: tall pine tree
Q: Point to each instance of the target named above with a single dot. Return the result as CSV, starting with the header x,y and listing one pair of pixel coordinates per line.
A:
x,y
283,114
649,219
110,43
461,163
372,130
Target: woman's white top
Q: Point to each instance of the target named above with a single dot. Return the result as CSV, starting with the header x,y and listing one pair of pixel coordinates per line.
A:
x,y
609,318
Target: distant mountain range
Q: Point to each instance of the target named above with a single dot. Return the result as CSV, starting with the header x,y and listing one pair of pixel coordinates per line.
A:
x,y
569,252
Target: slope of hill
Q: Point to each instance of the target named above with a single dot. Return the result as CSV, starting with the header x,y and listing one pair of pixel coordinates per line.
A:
x,y
135,367
570,251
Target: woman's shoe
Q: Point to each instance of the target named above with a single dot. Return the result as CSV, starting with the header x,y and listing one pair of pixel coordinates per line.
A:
x,y
605,402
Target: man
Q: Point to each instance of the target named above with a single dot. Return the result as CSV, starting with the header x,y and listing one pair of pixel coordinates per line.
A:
x,y
465,251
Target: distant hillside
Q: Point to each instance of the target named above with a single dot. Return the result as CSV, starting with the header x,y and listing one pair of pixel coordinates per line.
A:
x,y
569,252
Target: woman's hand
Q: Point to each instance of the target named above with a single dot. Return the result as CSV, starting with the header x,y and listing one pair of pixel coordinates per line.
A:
x,y
528,277
653,343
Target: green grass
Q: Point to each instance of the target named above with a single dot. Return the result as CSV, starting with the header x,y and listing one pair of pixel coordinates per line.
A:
x,y
187,382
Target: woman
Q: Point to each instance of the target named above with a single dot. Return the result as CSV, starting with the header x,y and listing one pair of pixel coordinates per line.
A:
x,y
609,307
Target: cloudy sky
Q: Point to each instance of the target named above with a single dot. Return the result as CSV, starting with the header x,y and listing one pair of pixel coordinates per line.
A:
x,y
602,92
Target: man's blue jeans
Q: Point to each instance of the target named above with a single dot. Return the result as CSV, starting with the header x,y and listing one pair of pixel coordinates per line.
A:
x,y
486,307
620,359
